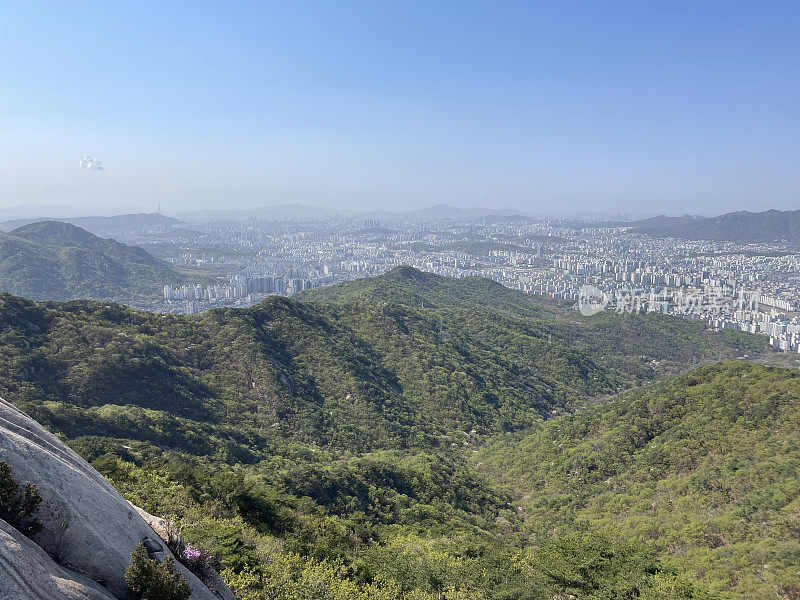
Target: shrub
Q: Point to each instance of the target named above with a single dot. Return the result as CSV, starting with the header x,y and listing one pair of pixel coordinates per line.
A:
x,y
148,580
18,508
198,560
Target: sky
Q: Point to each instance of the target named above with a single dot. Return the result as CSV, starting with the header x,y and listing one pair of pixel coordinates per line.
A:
x,y
561,107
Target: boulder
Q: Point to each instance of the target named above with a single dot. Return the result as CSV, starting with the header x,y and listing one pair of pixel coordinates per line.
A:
x,y
87,526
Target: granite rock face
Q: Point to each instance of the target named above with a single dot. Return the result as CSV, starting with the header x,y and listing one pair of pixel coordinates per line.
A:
x,y
88,528
28,573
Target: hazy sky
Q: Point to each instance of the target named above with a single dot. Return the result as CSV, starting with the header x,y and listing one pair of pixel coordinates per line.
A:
x,y
642,107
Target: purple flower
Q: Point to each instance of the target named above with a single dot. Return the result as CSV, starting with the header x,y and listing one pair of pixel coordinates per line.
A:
x,y
191,552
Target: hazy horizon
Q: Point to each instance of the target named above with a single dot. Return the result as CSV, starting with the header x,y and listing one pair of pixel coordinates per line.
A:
x,y
40,211
631,108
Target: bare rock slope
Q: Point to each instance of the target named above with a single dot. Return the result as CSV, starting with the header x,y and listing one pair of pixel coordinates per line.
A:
x,y
28,573
88,528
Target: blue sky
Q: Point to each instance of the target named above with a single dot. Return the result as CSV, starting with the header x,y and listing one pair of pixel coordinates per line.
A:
x,y
562,107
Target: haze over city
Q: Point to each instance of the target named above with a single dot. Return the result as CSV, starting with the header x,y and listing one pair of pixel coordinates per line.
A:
x,y
545,108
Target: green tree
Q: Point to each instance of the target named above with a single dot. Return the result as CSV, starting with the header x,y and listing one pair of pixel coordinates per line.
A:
x,y
18,509
149,580
592,566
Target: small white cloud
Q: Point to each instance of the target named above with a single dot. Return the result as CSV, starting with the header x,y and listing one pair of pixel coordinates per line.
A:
x,y
90,162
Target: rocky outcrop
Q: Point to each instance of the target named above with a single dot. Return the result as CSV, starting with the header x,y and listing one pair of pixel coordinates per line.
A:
x,y
88,528
28,573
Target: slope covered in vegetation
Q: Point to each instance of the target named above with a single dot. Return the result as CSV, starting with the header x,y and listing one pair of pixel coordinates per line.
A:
x,y
704,470
412,287
57,261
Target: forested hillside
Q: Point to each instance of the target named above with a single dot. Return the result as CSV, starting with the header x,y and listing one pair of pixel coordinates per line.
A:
x,y
58,261
354,377
704,470
324,448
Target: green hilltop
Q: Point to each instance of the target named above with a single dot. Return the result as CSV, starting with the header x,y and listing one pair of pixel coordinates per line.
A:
x,y
412,287
351,376
50,260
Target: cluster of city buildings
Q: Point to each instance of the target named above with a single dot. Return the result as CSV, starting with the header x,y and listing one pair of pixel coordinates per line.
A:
x,y
240,291
751,287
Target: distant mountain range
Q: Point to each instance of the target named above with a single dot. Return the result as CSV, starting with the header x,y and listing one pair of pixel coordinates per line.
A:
x,y
743,226
103,225
114,225
52,260
40,211
440,211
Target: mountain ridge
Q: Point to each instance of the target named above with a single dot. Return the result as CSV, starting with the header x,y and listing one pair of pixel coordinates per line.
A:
x,y
742,226
410,286
439,211
111,225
